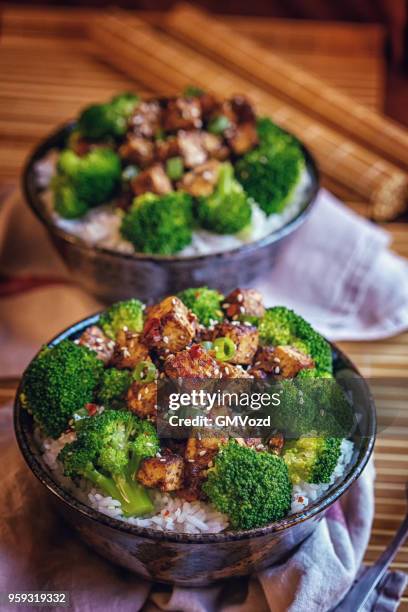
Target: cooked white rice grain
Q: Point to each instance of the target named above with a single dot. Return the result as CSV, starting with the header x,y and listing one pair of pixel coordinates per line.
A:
x,y
173,513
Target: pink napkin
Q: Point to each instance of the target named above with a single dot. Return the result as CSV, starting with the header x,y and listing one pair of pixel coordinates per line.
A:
x,y
340,275
38,552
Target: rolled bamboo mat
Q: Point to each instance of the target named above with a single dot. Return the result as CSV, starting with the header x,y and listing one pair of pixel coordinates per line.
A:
x,y
295,85
163,63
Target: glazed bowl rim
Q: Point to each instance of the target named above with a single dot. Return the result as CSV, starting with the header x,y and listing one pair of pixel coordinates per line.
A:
x,y
46,479
33,197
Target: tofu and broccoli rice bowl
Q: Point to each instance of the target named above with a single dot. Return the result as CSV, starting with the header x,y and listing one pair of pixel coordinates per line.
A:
x,y
93,399
186,175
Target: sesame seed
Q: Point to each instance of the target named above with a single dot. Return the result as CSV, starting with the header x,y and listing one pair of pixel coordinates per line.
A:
x,y
276,370
165,340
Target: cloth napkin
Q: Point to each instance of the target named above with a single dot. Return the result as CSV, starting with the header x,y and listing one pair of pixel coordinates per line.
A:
x,y
337,272
38,552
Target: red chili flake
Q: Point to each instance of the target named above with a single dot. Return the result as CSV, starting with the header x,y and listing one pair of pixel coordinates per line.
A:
x,y
92,409
152,330
196,351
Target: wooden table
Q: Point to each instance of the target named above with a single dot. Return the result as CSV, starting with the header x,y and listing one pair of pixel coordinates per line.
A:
x,y
48,69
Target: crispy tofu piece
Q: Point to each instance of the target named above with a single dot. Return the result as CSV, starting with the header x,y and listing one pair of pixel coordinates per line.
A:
x,y
290,361
182,114
265,360
153,179
146,120
202,180
244,302
214,146
208,104
137,150
244,336
230,371
202,450
191,148
242,109
194,362
276,443
165,473
281,361
169,326
129,350
242,138
94,338
142,400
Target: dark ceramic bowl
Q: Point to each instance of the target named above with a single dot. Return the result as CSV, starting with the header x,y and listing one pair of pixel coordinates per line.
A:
x,y
194,560
112,276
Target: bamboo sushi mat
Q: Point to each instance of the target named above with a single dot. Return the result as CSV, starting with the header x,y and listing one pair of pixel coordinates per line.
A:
x,y
48,69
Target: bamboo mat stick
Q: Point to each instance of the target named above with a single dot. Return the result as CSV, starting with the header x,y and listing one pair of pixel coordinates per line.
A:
x,y
295,85
167,65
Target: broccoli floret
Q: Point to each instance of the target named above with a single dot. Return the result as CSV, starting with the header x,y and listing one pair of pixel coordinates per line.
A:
x,y
94,177
112,390
204,302
313,405
252,488
100,121
270,172
159,224
282,326
227,210
122,315
312,459
108,451
59,381
66,202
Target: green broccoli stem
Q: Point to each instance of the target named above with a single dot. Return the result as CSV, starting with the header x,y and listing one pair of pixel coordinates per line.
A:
x,y
134,498
225,179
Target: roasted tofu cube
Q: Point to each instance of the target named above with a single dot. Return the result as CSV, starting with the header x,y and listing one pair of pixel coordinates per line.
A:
x,y
202,451
169,326
182,114
265,360
129,350
94,338
137,150
242,138
276,443
153,179
202,180
282,361
164,473
194,362
244,303
146,120
164,149
230,371
289,361
141,399
208,104
214,146
242,109
191,148
244,336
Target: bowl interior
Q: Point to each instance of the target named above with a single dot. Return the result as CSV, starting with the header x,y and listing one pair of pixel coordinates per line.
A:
x,y
363,438
34,193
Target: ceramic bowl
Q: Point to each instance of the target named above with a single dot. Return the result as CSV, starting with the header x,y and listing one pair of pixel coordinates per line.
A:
x,y
195,560
112,276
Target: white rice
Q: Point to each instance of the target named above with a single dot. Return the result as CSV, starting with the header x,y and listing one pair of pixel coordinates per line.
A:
x,y
172,513
101,225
